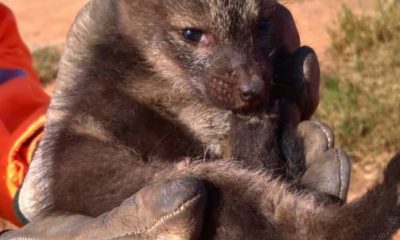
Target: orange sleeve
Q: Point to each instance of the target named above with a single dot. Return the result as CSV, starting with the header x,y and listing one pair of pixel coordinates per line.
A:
x,y
22,107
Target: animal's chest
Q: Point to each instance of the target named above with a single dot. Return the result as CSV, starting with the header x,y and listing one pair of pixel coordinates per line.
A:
x,y
211,127
207,127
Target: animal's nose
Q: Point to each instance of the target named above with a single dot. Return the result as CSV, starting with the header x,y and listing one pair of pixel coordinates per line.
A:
x,y
252,90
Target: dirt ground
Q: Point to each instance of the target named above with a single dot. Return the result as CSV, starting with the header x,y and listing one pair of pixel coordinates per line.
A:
x,y
315,17
46,22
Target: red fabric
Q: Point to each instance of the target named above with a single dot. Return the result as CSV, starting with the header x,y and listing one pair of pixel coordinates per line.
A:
x,y
22,107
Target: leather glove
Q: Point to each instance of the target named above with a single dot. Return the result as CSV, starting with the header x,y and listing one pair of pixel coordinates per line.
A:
x,y
169,210
295,89
327,168
295,85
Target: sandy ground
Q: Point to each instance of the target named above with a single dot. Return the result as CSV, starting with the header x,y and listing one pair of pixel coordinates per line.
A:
x,y
46,22
314,17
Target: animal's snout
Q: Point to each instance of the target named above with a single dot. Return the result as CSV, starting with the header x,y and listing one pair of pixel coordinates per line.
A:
x,y
253,90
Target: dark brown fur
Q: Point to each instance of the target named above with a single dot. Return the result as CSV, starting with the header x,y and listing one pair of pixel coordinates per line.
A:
x,y
133,99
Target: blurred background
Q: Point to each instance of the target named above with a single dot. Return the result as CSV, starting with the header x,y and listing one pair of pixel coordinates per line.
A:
x,y
357,41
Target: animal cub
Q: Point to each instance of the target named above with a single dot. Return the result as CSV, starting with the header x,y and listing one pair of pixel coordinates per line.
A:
x,y
147,84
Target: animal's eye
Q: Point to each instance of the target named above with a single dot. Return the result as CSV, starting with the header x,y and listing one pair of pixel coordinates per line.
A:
x,y
193,35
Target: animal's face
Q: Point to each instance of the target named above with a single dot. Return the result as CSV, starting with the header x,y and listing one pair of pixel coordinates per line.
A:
x,y
220,48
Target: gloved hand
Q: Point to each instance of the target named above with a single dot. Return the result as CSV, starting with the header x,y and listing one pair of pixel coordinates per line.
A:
x,y
295,85
295,88
169,210
327,168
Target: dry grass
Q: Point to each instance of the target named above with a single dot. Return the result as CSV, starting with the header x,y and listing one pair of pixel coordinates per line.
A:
x,y
45,61
361,89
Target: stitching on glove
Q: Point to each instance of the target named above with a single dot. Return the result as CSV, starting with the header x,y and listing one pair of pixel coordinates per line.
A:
x,y
340,159
326,132
182,208
163,219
